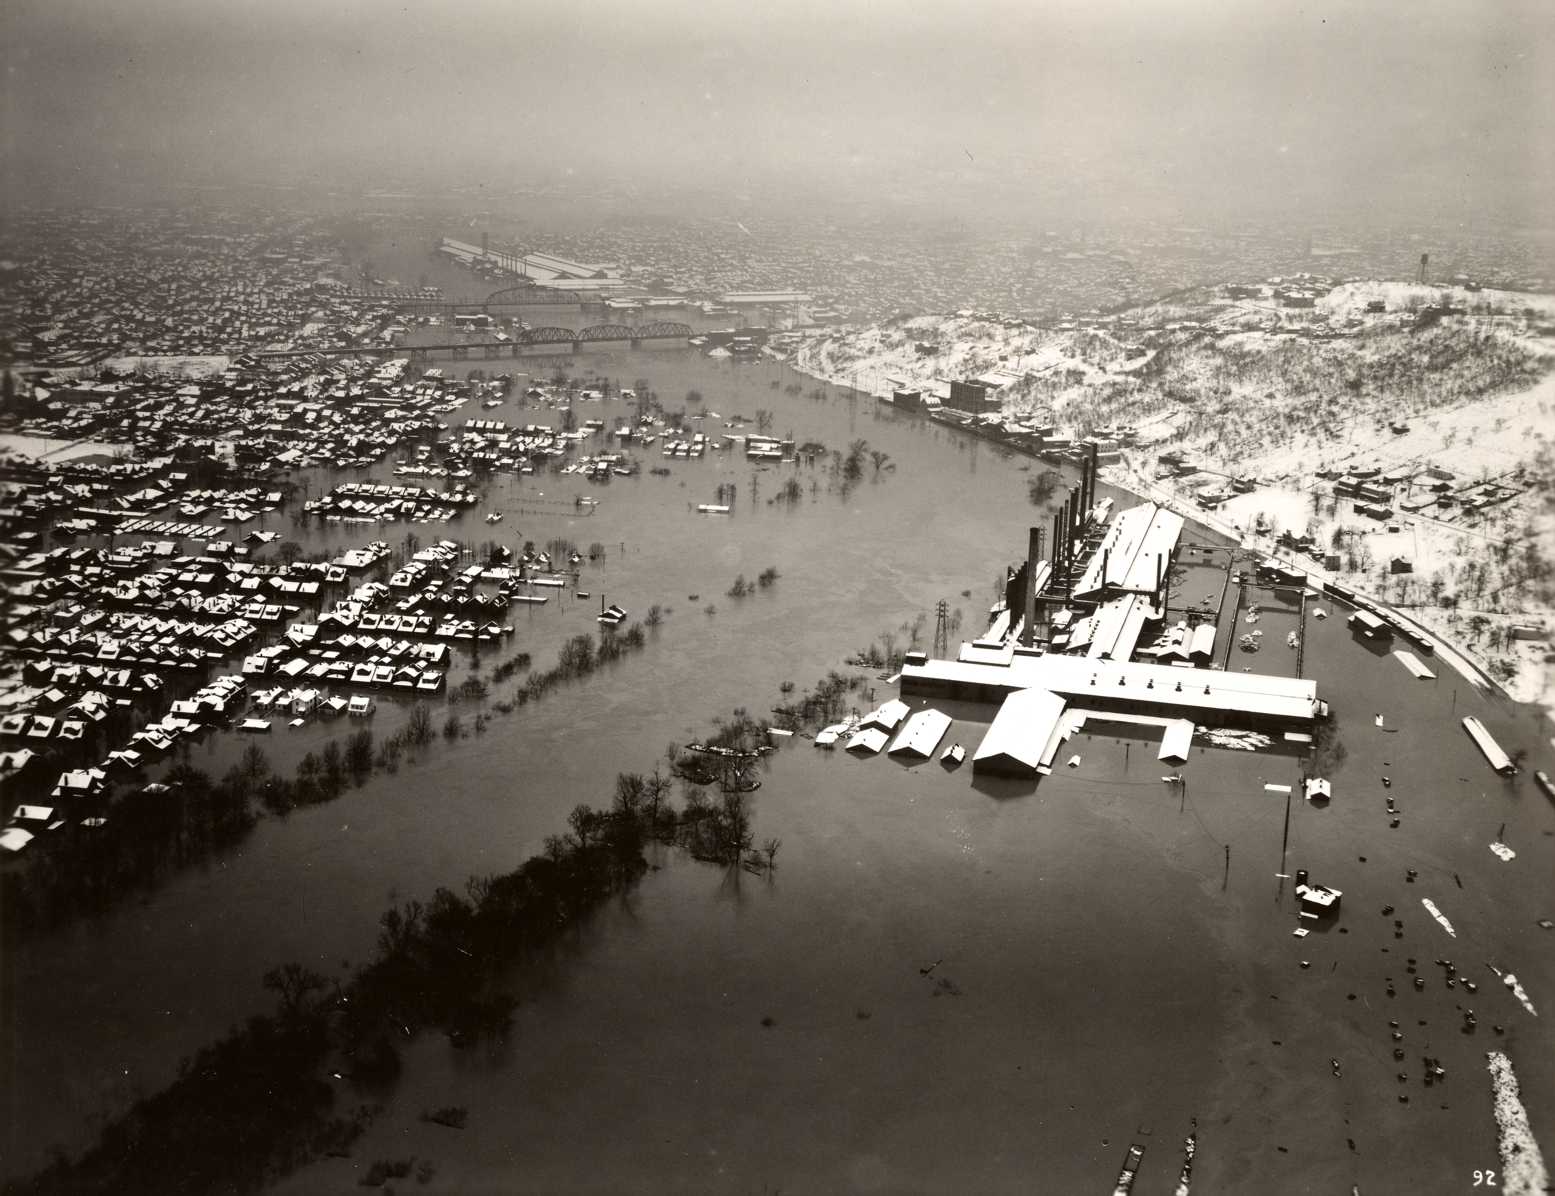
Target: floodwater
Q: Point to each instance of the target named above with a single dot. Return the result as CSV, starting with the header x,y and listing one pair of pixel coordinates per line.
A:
x,y
104,1011
971,985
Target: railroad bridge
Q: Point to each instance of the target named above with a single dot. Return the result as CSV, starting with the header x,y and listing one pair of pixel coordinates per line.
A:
x,y
526,295
575,340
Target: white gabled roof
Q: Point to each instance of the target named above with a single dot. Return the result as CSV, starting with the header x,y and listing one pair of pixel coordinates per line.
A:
x,y
1018,738
868,741
921,734
1177,740
888,715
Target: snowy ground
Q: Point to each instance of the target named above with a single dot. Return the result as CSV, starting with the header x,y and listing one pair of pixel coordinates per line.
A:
x,y
39,448
1247,388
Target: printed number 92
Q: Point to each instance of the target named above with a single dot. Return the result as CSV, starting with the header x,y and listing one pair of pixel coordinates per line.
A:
x,y
1484,1179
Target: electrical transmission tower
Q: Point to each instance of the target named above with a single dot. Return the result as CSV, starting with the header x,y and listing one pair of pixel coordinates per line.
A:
x,y
941,629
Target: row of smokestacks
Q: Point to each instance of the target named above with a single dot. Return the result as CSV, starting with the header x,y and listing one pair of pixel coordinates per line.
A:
x,y
1068,522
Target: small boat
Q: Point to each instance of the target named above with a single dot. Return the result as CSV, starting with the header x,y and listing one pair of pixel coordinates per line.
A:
x,y
953,755
494,517
1545,784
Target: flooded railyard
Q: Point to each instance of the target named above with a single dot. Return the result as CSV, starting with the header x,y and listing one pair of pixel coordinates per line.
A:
x,y
1044,972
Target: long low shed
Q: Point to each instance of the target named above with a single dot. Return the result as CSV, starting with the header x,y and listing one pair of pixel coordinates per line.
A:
x,y
1499,760
1163,690
1134,553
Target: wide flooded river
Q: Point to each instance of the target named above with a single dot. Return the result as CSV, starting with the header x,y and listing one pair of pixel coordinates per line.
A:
x,y
946,984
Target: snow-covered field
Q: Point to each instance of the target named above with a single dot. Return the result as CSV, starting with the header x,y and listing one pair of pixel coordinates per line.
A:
x,y
55,452
1249,387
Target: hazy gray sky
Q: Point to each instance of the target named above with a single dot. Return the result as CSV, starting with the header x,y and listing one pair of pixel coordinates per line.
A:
x,y
1407,105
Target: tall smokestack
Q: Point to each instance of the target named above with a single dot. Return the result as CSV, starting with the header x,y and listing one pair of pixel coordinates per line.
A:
x,y
1033,557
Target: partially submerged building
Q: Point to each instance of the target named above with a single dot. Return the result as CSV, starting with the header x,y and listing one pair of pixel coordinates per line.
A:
x,y
1104,583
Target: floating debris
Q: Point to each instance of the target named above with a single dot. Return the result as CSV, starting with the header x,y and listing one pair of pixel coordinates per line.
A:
x,y
1190,1147
1510,980
1502,851
1229,737
1441,918
1522,1165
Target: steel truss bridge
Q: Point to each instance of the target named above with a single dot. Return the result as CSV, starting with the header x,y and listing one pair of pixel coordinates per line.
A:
x,y
530,296
574,340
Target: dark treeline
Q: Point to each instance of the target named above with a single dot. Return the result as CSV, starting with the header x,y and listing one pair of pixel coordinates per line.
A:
x,y
159,829
258,1103
826,702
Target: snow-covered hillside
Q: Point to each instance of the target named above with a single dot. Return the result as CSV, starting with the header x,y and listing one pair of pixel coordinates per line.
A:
x,y
1273,383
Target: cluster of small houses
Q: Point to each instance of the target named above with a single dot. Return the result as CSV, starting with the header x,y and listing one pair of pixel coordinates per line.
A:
x,y
98,629
257,414
1374,492
376,502
92,285
916,735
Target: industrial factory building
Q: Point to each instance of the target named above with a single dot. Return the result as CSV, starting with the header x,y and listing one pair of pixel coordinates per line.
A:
x,y
1061,646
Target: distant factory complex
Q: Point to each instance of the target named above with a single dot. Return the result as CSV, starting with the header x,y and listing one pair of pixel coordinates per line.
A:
x,y
542,269
597,280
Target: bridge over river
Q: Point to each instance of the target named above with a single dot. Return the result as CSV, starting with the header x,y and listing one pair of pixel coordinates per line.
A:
x,y
524,295
667,332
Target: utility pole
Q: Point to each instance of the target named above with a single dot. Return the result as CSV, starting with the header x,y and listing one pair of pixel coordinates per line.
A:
x,y
941,629
1285,837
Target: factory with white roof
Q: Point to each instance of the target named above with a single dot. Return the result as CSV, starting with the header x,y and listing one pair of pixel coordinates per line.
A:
x,y
1061,647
